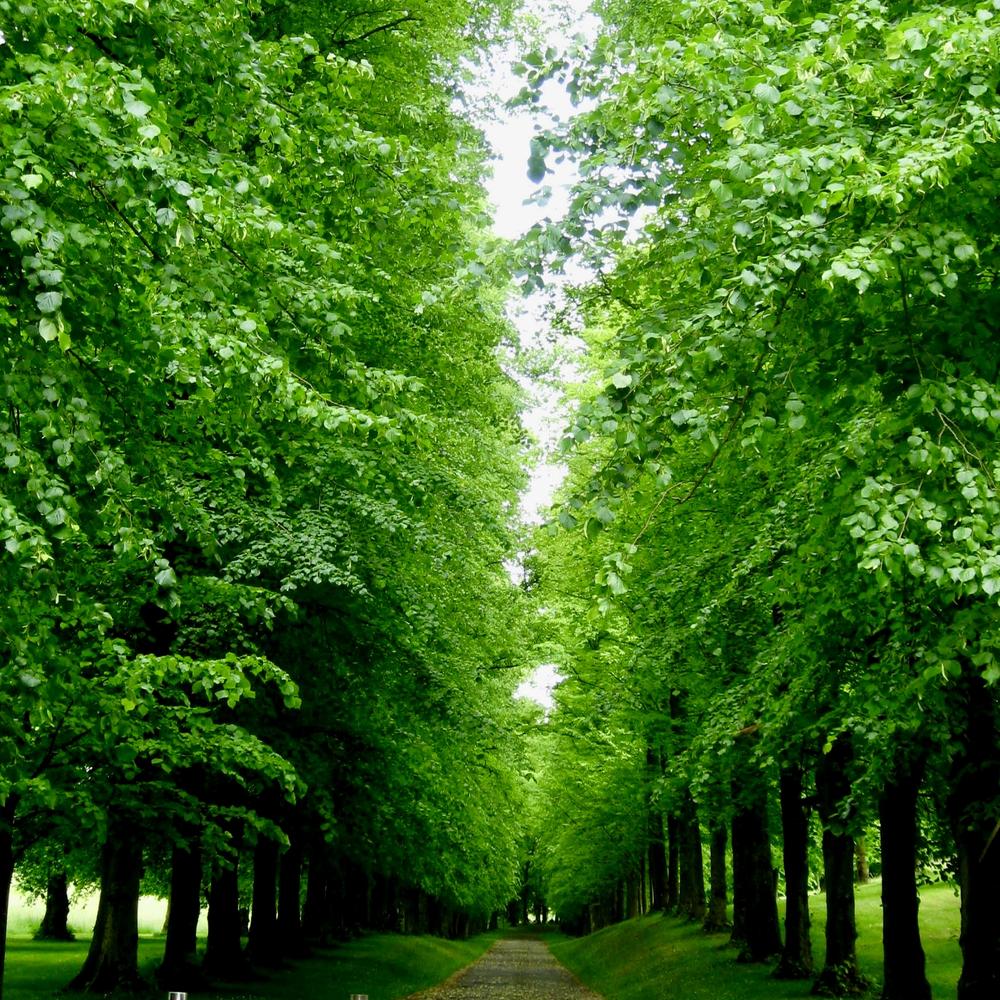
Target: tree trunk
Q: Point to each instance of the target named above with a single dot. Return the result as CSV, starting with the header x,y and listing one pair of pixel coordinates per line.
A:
x,y
223,950
692,867
643,886
796,956
289,900
861,874
179,969
657,852
632,895
7,813
657,862
903,954
717,918
112,962
975,779
755,903
840,975
55,922
316,927
673,864
262,945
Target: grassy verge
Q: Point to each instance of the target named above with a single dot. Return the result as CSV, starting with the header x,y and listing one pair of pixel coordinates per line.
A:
x,y
654,957
385,966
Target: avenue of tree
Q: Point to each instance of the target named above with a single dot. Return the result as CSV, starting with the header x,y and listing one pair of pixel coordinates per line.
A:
x,y
259,466
783,476
260,453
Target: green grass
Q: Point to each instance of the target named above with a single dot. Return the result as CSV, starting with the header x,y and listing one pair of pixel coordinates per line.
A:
x,y
654,957
385,966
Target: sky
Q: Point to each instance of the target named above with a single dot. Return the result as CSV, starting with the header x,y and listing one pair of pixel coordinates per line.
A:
x,y
509,133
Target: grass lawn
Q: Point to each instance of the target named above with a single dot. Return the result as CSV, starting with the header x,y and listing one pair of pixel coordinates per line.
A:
x,y
656,957
385,966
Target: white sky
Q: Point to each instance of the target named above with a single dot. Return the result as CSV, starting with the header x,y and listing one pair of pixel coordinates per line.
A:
x,y
509,133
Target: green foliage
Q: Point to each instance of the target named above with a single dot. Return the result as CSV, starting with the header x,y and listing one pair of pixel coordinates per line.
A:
x,y
781,497
260,454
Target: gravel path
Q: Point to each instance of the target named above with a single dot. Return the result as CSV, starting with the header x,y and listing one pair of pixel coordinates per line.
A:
x,y
513,969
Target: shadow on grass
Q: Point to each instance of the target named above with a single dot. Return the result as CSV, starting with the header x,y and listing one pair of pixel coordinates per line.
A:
x,y
385,966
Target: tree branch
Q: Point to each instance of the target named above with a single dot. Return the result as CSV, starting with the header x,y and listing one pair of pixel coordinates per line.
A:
x,y
342,43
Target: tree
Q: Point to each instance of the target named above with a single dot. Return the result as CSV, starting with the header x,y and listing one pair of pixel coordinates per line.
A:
x,y
789,211
234,316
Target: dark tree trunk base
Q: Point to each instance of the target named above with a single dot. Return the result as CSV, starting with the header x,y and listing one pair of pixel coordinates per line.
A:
x,y
717,917
54,926
179,970
112,963
904,964
796,955
755,906
224,958
787,969
840,981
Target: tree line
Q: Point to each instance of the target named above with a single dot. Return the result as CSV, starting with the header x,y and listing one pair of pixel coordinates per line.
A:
x,y
772,581
261,454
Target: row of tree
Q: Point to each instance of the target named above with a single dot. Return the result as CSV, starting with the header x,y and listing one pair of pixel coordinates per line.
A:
x,y
777,597
260,458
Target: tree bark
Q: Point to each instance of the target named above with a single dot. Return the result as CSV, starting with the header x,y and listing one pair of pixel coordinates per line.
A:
x,y
223,950
179,969
289,900
974,781
796,956
862,876
657,852
262,945
55,921
316,927
717,918
904,977
691,901
755,902
112,961
840,975
673,864
632,895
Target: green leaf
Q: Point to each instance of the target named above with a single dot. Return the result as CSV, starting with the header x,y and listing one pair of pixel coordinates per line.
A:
x,y
767,93
567,520
49,302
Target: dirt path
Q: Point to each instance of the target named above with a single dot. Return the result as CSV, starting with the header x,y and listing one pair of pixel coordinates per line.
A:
x,y
513,969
